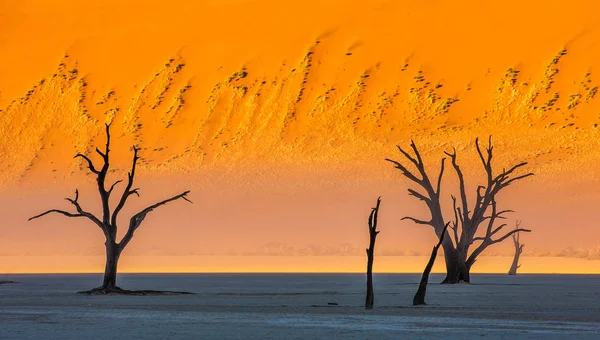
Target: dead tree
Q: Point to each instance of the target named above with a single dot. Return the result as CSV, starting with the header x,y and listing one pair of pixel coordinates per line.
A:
x,y
370,254
419,298
518,250
467,219
108,222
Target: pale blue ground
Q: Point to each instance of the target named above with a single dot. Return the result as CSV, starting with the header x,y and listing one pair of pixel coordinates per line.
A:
x,y
295,306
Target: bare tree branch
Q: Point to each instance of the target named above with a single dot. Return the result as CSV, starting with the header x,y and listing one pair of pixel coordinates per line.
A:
x,y
107,150
505,174
90,163
516,236
493,217
417,221
408,156
431,194
463,192
80,211
127,191
516,179
103,155
419,195
68,214
417,153
487,163
372,219
113,186
480,196
90,216
456,220
405,171
101,180
441,239
500,214
495,231
439,181
137,219
510,233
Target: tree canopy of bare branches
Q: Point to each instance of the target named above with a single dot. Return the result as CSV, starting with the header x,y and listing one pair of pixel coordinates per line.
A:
x,y
108,221
474,227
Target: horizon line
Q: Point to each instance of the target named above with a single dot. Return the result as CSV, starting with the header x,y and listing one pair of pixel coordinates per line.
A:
x,y
286,272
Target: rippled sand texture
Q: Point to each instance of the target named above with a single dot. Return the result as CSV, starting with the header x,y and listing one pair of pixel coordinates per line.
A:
x,y
264,83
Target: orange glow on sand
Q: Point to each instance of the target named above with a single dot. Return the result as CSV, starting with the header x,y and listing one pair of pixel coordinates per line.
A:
x,y
278,115
283,264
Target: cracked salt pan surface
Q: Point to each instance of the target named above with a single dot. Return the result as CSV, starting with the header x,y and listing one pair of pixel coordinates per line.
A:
x,y
524,307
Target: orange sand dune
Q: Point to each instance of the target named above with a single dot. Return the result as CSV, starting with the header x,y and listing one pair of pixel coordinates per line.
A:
x,y
278,115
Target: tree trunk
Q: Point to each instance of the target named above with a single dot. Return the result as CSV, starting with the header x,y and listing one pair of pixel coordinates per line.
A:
x,y
518,250
515,264
463,268
457,268
464,273
452,263
419,298
370,299
110,270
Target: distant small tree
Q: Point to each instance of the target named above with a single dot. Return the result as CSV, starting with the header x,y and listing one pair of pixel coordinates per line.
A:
x,y
518,250
371,253
108,222
419,298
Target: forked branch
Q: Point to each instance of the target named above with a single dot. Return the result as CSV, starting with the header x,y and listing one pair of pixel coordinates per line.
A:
x,y
90,163
138,218
431,195
80,211
372,217
128,191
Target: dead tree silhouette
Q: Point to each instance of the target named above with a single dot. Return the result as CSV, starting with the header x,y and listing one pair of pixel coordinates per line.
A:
x,y
518,250
467,219
373,232
419,298
108,222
